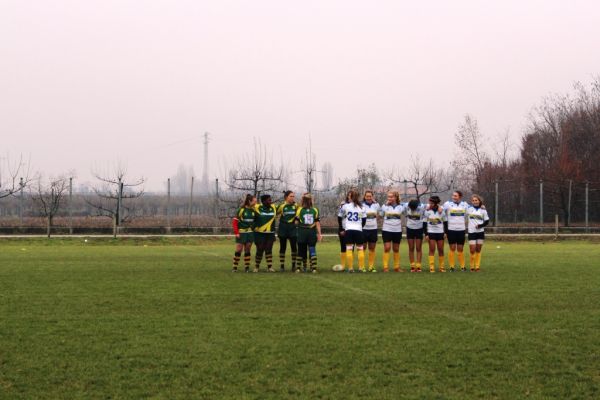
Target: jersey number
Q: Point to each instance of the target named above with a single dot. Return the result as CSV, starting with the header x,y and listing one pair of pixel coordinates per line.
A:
x,y
352,216
309,219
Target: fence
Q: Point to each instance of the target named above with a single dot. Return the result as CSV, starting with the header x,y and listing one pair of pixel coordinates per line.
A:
x,y
515,207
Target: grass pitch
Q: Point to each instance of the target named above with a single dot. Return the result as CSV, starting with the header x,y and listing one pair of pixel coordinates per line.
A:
x,y
167,319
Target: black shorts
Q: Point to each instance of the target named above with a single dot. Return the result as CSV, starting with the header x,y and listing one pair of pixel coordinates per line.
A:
x,y
264,238
394,237
456,237
436,236
477,236
414,234
354,237
370,235
342,242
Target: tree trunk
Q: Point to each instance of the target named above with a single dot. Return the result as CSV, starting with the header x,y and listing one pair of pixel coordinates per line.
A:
x,y
48,225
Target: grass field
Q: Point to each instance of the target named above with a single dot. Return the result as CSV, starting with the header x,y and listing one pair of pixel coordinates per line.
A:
x,y
167,319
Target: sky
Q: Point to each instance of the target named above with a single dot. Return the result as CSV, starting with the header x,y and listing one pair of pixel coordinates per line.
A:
x,y
87,84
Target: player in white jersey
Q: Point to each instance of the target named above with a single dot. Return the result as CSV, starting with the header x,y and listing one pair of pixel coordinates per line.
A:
x,y
391,231
370,229
456,215
433,225
478,220
414,213
355,218
341,228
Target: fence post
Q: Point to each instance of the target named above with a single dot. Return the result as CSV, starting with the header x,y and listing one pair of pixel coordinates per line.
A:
x,y
168,211
496,217
21,184
190,204
217,198
569,203
71,206
541,203
587,202
555,226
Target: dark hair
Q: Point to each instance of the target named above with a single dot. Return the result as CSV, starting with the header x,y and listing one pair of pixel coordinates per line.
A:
x,y
354,197
264,197
413,204
459,193
435,200
307,201
248,199
367,192
286,193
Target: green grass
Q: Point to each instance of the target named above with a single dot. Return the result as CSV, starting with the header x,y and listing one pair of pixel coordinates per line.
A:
x,y
169,320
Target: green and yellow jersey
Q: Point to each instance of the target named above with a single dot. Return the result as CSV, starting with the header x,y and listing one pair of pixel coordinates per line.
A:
x,y
307,217
265,218
287,213
246,217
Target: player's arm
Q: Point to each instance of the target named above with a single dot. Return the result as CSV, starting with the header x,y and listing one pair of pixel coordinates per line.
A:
x,y
486,220
318,226
236,229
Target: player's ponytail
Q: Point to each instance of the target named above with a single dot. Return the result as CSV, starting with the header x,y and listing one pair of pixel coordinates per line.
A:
x,y
436,201
354,197
248,200
307,200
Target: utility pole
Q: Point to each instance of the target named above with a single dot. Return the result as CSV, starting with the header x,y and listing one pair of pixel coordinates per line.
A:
x,y
190,203
569,203
21,185
70,206
204,186
587,203
496,217
541,202
217,198
168,211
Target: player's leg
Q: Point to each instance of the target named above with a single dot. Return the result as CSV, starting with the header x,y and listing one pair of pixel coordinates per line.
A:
x,y
259,241
342,250
440,249
282,250
411,251
302,249
396,249
387,247
371,244
419,250
237,255
473,254
247,254
460,244
360,251
478,248
312,252
270,240
452,252
432,246
294,250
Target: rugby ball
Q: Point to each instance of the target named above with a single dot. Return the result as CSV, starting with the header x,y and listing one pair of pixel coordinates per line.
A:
x,y
338,268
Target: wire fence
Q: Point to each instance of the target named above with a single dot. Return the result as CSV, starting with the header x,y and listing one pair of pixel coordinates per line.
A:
x,y
567,206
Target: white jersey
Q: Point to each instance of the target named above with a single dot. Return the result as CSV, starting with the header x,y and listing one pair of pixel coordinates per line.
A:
x,y
414,219
456,215
353,216
477,216
371,210
435,220
340,214
392,217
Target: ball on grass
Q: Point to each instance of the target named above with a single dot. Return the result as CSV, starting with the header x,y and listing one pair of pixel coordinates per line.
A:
x,y
338,268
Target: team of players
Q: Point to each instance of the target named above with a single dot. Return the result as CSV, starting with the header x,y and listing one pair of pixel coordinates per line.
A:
x,y
358,225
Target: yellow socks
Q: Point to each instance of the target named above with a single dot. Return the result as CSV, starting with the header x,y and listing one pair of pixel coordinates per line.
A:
x,y
451,259
371,259
343,259
397,261
472,263
431,263
349,259
461,259
386,261
477,261
441,261
361,258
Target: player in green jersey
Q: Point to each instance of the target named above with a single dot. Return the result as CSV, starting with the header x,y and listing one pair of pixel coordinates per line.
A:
x,y
243,222
287,228
309,232
264,231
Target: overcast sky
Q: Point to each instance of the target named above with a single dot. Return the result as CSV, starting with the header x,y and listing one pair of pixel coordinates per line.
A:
x,y
86,83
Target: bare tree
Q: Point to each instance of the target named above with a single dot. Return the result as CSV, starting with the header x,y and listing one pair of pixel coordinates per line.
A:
x,y
422,178
49,197
256,173
14,176
470,142
113,190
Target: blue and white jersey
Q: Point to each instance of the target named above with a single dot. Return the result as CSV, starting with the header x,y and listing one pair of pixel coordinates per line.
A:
x,y
392,217
339,213
456,215
435,220
352,215
415,218
477,216
372,210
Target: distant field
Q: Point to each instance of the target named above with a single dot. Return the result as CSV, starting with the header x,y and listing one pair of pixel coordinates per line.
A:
x,y
165,318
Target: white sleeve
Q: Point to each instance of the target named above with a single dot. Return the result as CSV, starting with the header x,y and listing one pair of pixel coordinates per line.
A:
x,y
486,217
341,212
